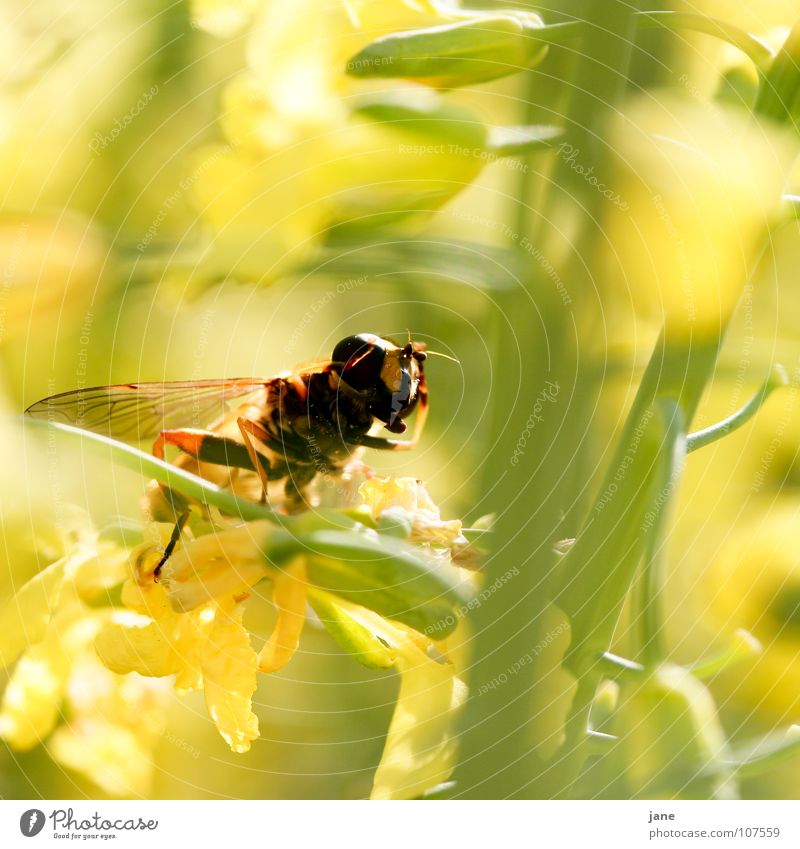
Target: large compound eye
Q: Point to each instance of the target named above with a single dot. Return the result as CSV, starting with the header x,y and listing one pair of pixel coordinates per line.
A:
x,y
362,360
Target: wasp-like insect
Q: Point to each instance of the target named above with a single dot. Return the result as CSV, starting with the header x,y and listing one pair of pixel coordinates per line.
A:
x,y
290,428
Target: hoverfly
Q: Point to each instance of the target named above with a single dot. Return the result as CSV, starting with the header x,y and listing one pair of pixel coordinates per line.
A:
x,y
289,428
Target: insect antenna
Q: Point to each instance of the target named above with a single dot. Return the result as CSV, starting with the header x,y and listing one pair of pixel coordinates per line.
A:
x,y
440,354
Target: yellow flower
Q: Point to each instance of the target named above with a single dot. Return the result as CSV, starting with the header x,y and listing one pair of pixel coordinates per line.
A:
x,y
204,648
31,703
95,722
420,747
406,499
92,634
189,625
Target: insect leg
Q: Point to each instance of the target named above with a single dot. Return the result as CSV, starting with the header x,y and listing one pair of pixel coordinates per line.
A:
x,y
380,443
173,541
210,447
250,429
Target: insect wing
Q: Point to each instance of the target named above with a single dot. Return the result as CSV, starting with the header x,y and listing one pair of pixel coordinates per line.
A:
x,y
139,411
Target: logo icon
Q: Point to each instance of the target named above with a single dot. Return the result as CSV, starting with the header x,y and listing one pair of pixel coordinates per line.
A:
x,y
31,822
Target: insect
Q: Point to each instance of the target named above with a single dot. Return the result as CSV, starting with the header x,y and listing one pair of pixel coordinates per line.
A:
x,y
289,428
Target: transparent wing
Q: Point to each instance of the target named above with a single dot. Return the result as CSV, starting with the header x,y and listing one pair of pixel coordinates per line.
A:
x,y
309,367
138,411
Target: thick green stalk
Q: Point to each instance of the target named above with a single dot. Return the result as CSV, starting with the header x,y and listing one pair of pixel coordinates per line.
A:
x,y
612,543
651,578
543,403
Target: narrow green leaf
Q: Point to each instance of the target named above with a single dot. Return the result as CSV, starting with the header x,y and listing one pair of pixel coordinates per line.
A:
x,y
350,634
431,121
755,49
178,479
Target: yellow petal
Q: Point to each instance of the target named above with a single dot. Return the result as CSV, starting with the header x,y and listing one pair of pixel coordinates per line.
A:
x,y
229,678
421,745
134,643
25,617
94,577
290,595
380,494
32,698
224,563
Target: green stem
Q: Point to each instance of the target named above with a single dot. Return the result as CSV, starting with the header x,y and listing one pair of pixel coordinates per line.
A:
x,y
756,50
706,436
541,341
650,612
779,90
178,479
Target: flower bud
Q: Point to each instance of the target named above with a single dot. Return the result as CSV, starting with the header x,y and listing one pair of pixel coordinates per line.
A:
x,y
456,54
